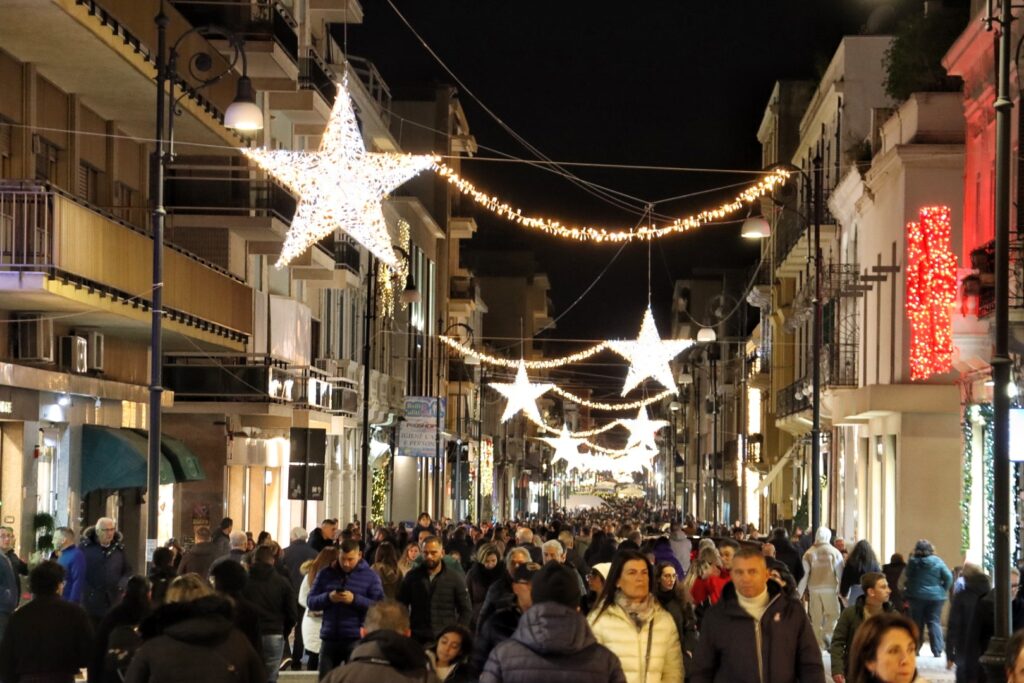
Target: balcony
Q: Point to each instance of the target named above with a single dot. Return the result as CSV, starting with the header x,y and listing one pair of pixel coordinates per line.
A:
x,y
309,107
983,260
463,289
839,364
793,240
269,32
759,368
794,399
336,11
59,254
217,196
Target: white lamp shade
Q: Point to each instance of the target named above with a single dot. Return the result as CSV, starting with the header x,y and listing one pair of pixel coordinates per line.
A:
x,y
707,334
243,116
756,228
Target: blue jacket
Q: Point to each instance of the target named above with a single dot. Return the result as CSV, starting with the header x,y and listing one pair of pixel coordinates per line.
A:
x,y
342,622
73,561
927,578
10,589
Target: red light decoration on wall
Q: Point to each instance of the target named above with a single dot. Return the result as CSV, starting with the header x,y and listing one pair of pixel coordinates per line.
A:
x,y
931,292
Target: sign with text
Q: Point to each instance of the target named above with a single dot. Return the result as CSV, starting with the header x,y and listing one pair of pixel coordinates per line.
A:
x,y
417,435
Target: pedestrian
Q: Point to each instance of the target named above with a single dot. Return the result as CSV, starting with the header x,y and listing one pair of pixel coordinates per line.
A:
x,y
343,592
595,585
681,547
410,555
860,561
676,601
450,656
823,567
499,594
424,527
958,650
199,558
386,653
312,620
176,553
229,579
435,594
385,564
161,573
485,571
873,600
500,625
573,556
1014,661
7,539
756,633
885,650
554,551
553,641
926,583
982,624
188,640
70,556
323,535
295,555
706,578
117,636
222,536
787,552
106,568
272,596
49,639
727,550
629,621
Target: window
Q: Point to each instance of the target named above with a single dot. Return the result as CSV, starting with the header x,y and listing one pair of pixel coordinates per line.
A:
x,y
6,145
88,183
46,154
126,204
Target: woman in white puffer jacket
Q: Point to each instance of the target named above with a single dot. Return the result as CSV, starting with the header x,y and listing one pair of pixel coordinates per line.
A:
x,y
311,621
630,622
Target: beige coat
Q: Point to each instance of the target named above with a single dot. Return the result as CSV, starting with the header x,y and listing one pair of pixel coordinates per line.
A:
x,y
616,631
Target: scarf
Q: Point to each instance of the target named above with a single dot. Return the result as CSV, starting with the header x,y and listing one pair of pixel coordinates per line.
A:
x,y
639,612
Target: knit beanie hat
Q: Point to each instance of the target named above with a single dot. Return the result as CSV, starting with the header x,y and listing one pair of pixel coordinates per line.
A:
x,y
556,582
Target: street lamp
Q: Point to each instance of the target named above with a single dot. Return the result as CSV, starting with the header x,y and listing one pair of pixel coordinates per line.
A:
x,y
756,228
243,115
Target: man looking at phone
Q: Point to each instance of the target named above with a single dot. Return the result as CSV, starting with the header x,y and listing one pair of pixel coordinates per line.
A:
x,y
343,592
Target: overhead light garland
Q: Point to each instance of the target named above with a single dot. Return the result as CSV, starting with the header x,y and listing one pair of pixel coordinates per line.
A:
x,y
614,235
599,405
340,186
931,292
521,394
546,364
649,355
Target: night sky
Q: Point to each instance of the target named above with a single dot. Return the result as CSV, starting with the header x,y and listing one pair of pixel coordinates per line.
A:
x,y
671,83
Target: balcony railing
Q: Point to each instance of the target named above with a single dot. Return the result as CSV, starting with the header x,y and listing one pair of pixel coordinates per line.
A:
x,y
212,191
257,378
793,223
253,22
43,229
345,251
983,261
463,288
839,364
793,399
315,74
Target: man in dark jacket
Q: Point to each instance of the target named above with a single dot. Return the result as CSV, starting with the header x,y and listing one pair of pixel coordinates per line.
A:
x,y
787,553
222,536
436,595
49,638
230,579
976,585
873,600
552,642
106,568
272,596
727,651
323,535
344,593
294,555
499,594
982,624
500,626
386,654
200,556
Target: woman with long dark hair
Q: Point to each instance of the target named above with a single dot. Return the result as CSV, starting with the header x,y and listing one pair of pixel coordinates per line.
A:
x,y
449,656
630,622
385,564
884,650
862,559
117,635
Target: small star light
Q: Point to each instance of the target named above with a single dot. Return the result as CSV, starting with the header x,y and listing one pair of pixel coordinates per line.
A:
x,y
340,186
521,395
642,431
566,447
648,356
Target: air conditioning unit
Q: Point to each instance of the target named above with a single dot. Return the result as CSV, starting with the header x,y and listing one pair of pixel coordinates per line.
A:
x,y
96,349
74,354
34,338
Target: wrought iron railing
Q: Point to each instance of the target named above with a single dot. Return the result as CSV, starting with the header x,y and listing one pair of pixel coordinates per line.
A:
x,y
983,261
213,192
794,398
253,22
315,74
839,364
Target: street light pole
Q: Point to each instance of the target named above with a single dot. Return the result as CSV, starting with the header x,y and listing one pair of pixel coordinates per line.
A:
x,y
816,352
368,318
993,658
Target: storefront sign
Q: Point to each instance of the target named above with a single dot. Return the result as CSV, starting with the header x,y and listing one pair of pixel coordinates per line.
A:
x,y
418,432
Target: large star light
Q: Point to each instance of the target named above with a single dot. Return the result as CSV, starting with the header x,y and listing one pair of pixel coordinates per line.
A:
x,y
521,395
340,186
642,431
566,447
648,355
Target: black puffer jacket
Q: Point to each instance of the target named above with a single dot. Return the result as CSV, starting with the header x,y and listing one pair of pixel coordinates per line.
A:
x,y
726,651
960,613
271,595
554,644
434,604
106,572
384,657
195,641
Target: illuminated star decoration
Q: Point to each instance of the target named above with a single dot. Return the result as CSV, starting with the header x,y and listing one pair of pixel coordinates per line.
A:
x,y
566,447
340,186
648,356
642,431
521,395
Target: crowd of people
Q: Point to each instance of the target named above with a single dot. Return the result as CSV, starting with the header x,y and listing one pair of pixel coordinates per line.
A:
x,y
619,594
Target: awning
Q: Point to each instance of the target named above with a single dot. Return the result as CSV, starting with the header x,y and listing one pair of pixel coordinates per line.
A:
x,y
776,470
116,459
185,463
